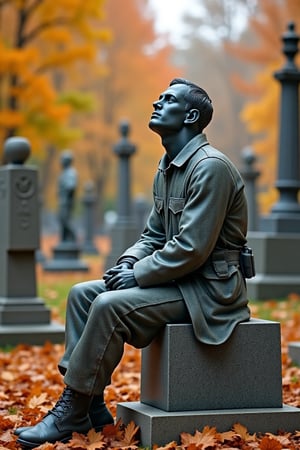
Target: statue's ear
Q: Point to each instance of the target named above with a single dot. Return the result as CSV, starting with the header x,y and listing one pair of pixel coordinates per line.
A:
x,y
192,116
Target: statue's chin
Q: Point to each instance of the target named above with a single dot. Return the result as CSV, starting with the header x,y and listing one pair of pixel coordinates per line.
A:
x,y
154,126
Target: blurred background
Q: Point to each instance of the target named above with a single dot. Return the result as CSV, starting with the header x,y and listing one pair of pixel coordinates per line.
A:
x,y
70,71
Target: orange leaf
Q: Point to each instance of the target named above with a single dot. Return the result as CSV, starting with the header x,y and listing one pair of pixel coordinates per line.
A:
x,y
268,443
37,400
243,432
170,446
208,437
96,440
128,438
78,441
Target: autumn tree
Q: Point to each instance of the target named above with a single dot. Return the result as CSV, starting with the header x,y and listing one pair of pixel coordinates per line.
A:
x,y
261,112
205,62
41,41
137,70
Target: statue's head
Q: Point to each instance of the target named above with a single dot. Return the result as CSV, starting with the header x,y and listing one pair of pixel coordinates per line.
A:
x,y
66,158
197,98
182,105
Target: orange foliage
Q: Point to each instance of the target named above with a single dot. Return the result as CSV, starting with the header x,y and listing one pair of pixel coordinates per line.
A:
x,y
136,72
36,39
261,114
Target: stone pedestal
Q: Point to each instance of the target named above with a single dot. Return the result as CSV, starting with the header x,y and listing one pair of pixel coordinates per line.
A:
x,y
24,318
66,257
186,385
276,264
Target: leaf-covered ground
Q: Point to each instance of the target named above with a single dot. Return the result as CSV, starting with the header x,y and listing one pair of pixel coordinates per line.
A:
x,y
30,384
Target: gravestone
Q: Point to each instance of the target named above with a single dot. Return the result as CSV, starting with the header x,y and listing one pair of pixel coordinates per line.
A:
x,y
89,201
24,318
187,385
276,245
66,254
250,174
124,231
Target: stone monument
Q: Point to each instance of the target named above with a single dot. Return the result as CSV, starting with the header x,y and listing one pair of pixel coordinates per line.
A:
x,y
124,232
66,255
24,318
89,201
187,385
250,174
277,245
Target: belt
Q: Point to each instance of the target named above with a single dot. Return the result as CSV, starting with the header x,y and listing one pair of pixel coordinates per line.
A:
x,y
230,256
221,259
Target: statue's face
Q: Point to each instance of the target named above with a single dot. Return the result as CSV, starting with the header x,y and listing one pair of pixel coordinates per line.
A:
x,y
169,110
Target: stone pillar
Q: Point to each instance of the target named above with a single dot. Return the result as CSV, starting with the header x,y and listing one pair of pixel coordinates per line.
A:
x,y
277,245
23,316
124,231
250,175
88,202
285,214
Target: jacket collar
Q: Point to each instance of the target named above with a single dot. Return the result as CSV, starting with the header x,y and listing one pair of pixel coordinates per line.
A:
x,y
188,150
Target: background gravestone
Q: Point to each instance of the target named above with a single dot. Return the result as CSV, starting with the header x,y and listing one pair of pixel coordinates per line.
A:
x,y
89,203
23,316
277,245
124,232
66,255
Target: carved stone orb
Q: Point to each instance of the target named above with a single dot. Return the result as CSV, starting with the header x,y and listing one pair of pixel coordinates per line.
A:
x,y
16,150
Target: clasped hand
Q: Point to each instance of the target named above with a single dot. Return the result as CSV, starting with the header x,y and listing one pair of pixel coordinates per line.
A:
x,y
119,277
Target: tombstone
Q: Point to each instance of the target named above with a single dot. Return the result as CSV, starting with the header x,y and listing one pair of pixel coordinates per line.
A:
x,y
24,318
124,232
141,210
89,201
277,245
187,385
250,174
66,255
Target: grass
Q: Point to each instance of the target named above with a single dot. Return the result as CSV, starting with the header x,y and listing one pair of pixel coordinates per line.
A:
x,y
53,287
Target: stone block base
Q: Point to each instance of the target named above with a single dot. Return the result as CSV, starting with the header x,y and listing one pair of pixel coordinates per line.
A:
x,y
179,373
294,352
66,257
276,263
31,334
161,427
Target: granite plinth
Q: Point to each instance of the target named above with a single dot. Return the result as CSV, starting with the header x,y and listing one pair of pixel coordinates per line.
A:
x,y
161,427
294,352
32,334
66,257
180,374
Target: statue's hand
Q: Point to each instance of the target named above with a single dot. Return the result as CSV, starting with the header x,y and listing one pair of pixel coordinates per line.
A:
x,y
119,278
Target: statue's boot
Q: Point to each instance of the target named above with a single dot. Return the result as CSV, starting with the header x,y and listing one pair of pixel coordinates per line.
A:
x,y
69,415
98,413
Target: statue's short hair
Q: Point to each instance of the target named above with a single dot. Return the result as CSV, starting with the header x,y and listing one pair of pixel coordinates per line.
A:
x,y
196,97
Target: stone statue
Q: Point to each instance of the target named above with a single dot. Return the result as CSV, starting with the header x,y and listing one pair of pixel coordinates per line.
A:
x,y
67,184
184,268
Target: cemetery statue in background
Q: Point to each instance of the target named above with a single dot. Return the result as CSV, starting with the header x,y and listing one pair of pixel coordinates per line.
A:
x,y
67,184
185,268
66,255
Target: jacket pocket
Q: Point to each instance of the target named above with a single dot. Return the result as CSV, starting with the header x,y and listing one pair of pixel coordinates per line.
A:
x,y
176,205
218,272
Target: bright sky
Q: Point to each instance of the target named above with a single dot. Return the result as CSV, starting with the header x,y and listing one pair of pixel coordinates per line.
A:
x,y
168,15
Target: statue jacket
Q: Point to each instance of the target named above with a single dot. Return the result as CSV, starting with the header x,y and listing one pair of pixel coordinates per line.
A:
x,y
193,237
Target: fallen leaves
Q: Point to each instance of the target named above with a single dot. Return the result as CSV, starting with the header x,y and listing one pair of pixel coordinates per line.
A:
x,y
30,385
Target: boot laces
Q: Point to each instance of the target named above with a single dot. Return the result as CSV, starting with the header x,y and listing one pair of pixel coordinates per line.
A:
x,y
63,403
